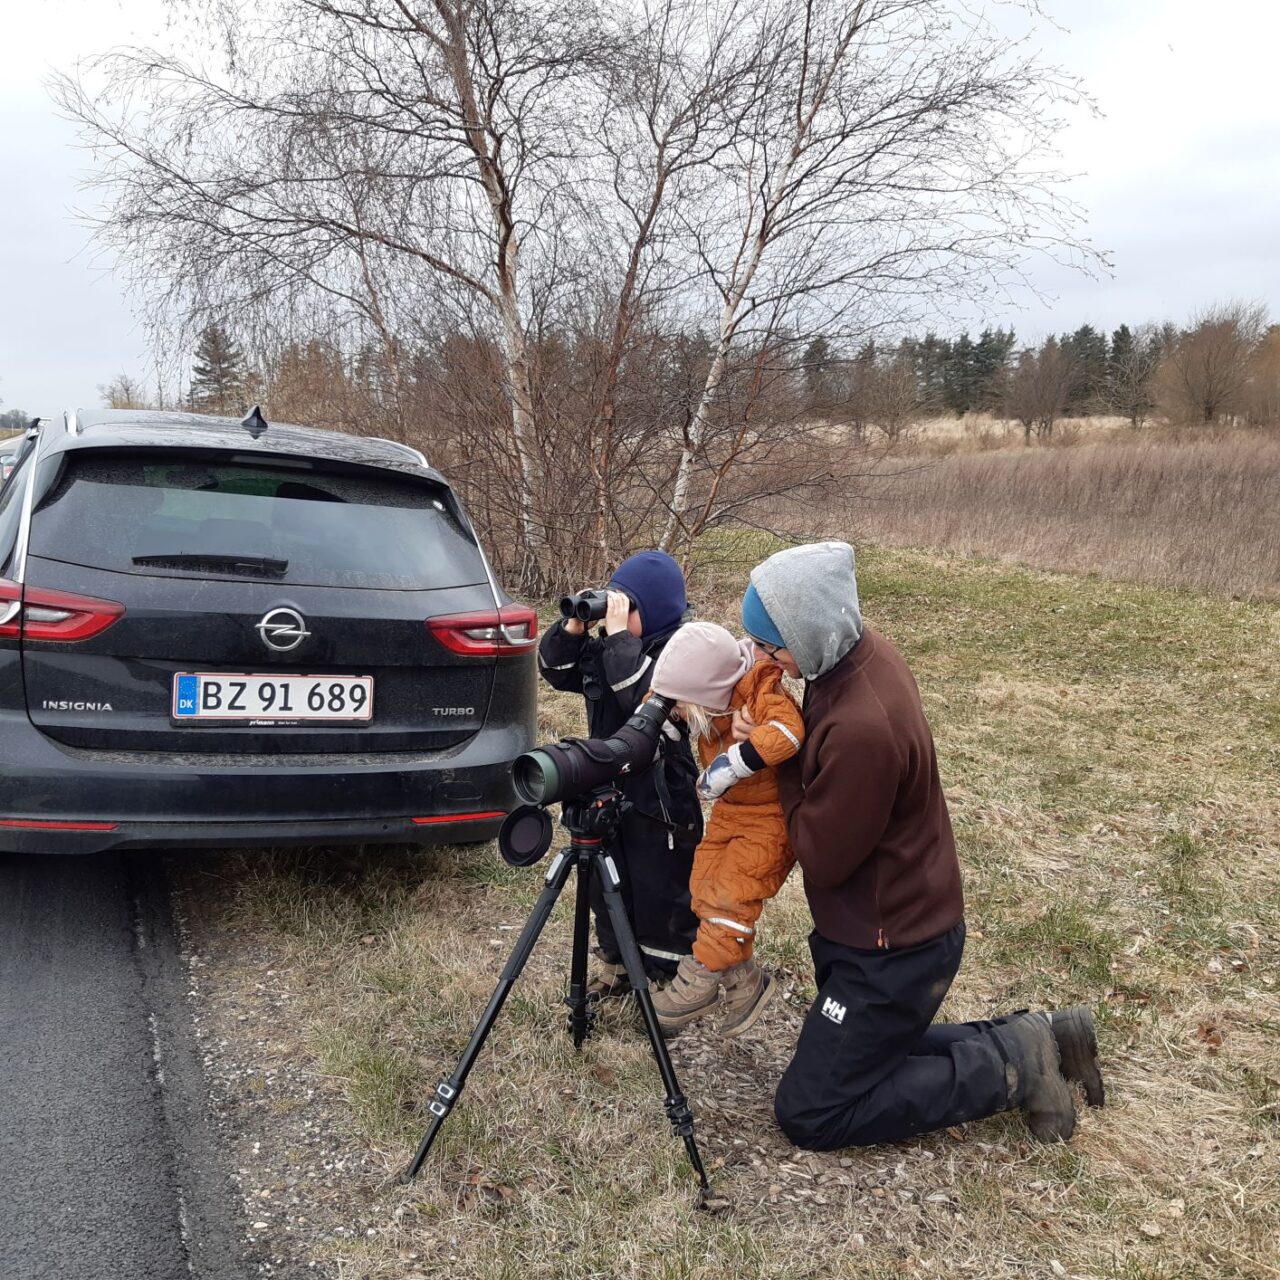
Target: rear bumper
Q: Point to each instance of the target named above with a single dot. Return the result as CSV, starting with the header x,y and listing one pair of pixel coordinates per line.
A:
x,y
145,800
236,835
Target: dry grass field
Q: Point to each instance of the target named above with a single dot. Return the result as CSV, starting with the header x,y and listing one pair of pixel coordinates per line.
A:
x,y
1110,754
1186,511
948,433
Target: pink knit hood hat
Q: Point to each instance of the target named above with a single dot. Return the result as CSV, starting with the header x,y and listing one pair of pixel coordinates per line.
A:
x,y
701,665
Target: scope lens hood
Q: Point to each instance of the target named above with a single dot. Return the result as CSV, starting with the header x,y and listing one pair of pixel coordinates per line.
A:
x,y
536,777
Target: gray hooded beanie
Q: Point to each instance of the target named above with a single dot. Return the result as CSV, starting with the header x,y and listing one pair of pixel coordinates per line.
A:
x,y
811,595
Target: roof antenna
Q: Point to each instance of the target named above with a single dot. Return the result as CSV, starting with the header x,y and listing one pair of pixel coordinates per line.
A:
x,y
254,423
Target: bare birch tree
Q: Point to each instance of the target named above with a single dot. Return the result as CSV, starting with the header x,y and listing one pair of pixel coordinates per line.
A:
x,y
1135,357
894,403
675,97
891,156
348,148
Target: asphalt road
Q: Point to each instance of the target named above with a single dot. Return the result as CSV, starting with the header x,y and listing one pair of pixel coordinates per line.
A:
x,y
109,1169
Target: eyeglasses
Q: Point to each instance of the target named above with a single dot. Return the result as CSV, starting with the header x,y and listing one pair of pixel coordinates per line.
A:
x,y
769,650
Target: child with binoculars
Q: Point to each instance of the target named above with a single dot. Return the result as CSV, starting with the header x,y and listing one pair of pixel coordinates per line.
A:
x,y
653,851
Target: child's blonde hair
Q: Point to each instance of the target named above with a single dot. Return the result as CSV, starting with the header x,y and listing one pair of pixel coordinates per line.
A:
x,y
697,718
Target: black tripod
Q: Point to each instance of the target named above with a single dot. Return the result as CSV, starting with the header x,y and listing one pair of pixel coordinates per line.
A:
x,y
592,821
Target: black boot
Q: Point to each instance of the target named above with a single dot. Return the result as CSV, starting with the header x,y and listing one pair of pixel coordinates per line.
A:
x,y
1036,1083
1078,1049
1073,1029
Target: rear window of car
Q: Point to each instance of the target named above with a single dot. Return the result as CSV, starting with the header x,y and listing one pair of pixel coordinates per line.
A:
x,y
316,527
10,518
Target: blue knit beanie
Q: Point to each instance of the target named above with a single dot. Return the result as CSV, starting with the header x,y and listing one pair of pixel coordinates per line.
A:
x,y
756,621
654,582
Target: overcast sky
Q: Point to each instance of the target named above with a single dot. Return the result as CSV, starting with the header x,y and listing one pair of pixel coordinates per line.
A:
x,y
1181,180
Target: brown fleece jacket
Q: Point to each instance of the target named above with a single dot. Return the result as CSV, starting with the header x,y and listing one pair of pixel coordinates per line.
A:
x,y
865,809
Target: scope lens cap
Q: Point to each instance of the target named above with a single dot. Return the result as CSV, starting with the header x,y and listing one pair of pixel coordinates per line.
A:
x,y
525,835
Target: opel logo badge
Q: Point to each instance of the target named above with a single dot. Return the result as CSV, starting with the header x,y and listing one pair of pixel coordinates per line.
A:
x,y
283,630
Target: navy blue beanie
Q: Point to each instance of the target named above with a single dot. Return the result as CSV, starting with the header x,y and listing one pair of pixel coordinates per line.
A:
x,y
654,582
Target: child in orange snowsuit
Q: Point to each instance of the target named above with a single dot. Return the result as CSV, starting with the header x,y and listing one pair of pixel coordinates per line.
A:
x,y
744,857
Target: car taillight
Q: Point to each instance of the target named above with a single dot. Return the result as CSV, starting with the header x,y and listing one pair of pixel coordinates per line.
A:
x,y
52,615
488,635
441,819
40,824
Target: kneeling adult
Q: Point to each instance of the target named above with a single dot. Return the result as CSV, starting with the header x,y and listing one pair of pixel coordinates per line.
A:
x,y
869,825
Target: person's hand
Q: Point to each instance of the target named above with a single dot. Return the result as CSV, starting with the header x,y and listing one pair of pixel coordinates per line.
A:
x,y
743,725
616,615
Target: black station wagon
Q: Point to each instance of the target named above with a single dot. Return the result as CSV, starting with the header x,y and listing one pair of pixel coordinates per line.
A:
x,y
217,632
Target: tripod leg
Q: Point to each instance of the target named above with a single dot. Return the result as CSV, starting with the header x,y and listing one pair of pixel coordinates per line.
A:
x,y
581,1015
447,1092
678,1110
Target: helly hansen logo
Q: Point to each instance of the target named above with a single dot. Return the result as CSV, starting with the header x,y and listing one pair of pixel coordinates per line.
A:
x,y
833,1011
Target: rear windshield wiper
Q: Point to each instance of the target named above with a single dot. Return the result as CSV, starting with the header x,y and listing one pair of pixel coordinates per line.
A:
x,y
265,565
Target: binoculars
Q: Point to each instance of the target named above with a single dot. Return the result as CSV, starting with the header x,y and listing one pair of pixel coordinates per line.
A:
x,y
586,606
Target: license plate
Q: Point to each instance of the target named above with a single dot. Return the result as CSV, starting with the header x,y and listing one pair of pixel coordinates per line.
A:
x,y
271,699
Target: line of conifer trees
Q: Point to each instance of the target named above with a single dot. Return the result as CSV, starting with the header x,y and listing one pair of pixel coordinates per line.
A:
x,y
972,374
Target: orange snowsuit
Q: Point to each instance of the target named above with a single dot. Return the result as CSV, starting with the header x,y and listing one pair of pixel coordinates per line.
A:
x,y
744,856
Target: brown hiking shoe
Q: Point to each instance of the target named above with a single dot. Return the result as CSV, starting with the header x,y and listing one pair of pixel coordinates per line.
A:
x,y
1037,1085
609,981
747,989
1077,1039
690,995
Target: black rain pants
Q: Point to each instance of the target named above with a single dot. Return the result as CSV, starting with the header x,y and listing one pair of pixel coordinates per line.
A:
x,y
870,1067
654,868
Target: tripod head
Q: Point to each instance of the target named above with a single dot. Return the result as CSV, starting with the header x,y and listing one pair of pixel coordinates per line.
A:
x,y
594,817
591,818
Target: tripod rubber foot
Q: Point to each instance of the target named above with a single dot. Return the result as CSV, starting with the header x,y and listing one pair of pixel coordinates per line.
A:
x,y
709,1202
